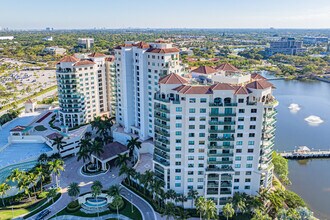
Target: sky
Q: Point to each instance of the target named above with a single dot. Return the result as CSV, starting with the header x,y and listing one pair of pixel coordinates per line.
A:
x,y
85,14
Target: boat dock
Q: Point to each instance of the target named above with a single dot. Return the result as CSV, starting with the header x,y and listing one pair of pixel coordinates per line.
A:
x,y
305,153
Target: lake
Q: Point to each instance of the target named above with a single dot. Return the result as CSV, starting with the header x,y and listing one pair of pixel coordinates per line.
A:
x,y
310,178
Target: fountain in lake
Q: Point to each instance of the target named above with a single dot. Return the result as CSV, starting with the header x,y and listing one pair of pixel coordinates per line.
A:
x,y
314,120
294,108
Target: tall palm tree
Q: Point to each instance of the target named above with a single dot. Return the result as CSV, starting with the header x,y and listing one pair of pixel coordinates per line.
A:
x,y
73,190
114,190
43,158
260,215
192,194
146,180
41,174
182,198
211,210
96,190
88,135
121,160
129,171
58,143
171,194
33,179
228,210
169,210
97,150
239,202
182,214
15,175
157,187
116,201
51,194
132,144
56,167
96,123
4,187
24,184
200,206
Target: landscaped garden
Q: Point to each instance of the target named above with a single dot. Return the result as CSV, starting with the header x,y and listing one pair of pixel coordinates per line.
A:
x,y
40,128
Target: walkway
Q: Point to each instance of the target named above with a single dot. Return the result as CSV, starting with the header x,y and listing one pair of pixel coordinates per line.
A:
x,y
72,174
71,217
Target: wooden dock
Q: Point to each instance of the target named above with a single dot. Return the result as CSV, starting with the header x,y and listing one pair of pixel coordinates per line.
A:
x,y
295,155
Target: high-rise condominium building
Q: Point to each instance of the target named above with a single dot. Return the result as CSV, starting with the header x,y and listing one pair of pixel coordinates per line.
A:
x,y
214,137
85,88
139,67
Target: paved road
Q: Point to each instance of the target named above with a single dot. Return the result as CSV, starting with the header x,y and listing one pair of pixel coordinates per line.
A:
x,y
70,217
72,174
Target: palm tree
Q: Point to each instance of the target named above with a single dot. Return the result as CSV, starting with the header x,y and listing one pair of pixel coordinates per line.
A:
x,y
121,160
169,210
88,135
182,198
96,123
259,215
4,187
210,210
58,143
43,158
116,201
239,202
56,167
157,187
171,194
51,194
15,175
33,179
97,150
132,144
192,194
83,154
114,190
182,214
228,210
96,190
41,174
146,180
24,184
73,190
200,206
129,171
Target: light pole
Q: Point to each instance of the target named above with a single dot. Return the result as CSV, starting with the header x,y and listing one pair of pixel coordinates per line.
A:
x,y
132,202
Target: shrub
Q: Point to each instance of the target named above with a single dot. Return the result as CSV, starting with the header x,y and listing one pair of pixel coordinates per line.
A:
x,y
73,206
293,200
120,207
42,195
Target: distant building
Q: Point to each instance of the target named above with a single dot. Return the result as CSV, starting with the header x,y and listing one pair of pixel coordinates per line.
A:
x,y
55,50
6,37
50,38
315,40
85,88
86,43
288,46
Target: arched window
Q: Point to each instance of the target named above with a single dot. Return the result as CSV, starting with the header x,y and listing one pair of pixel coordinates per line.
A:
x,y
227,100
218,100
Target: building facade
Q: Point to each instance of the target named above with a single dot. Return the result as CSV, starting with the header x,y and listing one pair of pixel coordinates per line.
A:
x,y
86,43
215,138
84,88
288,46
139,67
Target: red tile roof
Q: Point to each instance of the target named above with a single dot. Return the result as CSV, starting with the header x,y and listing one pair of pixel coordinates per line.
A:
x,y
69,59
193,89
18,128
256,76
96,54
172,79
259,84
204,70
31,101
142,45
241,91
222,86
227,67
123,45
163,50
54,135
84,62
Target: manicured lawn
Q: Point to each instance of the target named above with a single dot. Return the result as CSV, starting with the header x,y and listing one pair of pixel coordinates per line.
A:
x,y
127,211
40,128
44,206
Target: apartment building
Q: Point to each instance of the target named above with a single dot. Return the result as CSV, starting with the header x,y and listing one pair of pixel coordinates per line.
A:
x,y
214,137
85,88
139,67
288,46
86,43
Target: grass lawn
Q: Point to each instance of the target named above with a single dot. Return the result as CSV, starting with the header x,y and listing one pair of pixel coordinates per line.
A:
x,y
127,211
40,128
9,214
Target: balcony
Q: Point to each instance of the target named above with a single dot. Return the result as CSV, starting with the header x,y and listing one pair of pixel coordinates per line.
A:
x,y
227,162
221,146
220,154
164,118
226,185
163,133
221,139
212,104
225,192
213,178
221,131
212,185
162,109
223,114
161,154
226,178
161,147
218,169
162,125
162,140
161,161
212,192
271,114
221,122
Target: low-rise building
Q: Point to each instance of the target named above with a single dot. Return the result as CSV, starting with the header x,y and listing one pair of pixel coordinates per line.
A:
x,y
287,46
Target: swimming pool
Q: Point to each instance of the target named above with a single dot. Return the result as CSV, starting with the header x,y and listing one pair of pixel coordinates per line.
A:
x,y
18,155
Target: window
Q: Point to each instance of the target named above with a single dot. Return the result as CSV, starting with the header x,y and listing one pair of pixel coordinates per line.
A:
x,y
240,127
239,134
191,126
251,135
203,100
191,150
240,118
253,119
177,155
178,109
191,142
190,172
190,180
178,117
202,110
177,177
240,100
239,143
247,180
237,165
201,126
178,133
191,134
238,158
236,180
236,187
178,148
178,125
178,163
191,118
254,110
201,134
192,110
249,157
248,165
246,187
252,127
238,150
250,150
178,170
177,184
241,110
192,100
248,173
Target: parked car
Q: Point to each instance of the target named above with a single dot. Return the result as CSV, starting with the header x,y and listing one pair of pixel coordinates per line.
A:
x,y
42,214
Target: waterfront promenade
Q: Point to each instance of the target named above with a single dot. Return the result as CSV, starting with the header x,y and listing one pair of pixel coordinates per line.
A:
x,y
306,155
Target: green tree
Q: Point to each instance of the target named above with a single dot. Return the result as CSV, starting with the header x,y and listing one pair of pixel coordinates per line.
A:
x,y
146,180
56,167
73,190
132,144
192,194
281,167
121,160
97,150
114,190
228,210
200,206
169,210
52,194
210,210
260,215
117,201
4,187
96,190
41,174
43,158
58,143
15,175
